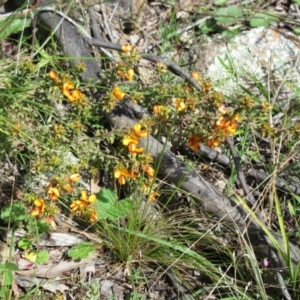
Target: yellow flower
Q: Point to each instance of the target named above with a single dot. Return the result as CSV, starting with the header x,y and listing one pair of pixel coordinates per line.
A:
x,y
130,139
89,199
152,196
157,109
53,75
127,48
138,132
213,142
68,188
39,207
128,75
93,216
196,76
133,174
133,149
69,91
53,193
179,104
74,177
149,170
118,93
194,142
121,174
78,205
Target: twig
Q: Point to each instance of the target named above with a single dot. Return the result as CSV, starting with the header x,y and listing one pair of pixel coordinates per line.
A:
x,y
279,182
174,68
239,171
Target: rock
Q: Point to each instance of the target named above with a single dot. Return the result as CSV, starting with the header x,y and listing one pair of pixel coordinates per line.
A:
x,y
262,54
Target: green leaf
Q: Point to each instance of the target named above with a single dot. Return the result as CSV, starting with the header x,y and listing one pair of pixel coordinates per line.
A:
x,y
228,15
37,226
220,2
10,26
14,212
107,196
24,243
108,208
8,277
9,266
208,26
81,251
42,256
263,20
297,1
296,30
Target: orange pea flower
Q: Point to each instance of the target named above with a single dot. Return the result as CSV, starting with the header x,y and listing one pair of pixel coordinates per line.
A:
x,y
130,139
89,199
138,132
53,75
128,75
68,188
127,48
196,76
133,174
39,207
152,197
149,170
118,93
213,142
157,109
194,142
53,193
74,177
179,104
93,216
69,91
132,148
78,205
121,174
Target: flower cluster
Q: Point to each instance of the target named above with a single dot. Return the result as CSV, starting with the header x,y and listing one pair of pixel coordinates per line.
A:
x,y
67,87
84,205
141,162
46,207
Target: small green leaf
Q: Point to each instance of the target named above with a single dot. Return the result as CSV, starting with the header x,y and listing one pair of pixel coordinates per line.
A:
x,y
24,243
263,20
108,208
297,1
42,256
107,196
14,212
228,15
81,251
9,266
296,30
8,277
220,2
208,26
8,27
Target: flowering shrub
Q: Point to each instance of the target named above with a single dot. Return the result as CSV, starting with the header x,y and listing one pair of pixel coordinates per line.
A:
x,y
175,110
